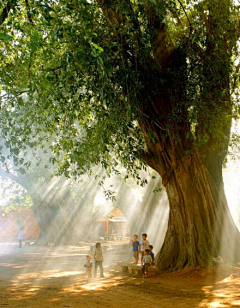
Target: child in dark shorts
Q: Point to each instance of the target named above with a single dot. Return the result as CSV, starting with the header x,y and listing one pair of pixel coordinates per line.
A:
x,y
147,260
135,245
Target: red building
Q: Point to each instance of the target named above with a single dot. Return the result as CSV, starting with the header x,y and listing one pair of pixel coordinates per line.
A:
x,y
114,225
13,221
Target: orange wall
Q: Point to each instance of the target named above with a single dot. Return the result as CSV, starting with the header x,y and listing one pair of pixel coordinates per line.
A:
x,y
9,226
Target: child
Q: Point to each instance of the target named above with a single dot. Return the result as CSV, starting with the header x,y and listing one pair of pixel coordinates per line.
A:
x,y
135,244
98,259
147,260
151,254
88,266
143,244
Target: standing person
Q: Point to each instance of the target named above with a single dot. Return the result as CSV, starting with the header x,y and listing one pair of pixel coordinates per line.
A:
x,y
88,266
151,254
143,244
98,259
20,238
147,260
135,246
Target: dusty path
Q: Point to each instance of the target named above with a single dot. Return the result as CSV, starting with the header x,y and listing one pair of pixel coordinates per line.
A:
x,y
54,277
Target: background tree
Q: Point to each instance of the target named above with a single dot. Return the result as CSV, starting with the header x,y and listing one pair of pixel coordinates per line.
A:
x,y
63,207
136,82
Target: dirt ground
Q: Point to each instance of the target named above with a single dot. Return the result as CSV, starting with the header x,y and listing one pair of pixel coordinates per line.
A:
x,y
55,277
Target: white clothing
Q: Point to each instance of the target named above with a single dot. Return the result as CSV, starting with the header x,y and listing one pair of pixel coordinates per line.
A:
x,y
144,244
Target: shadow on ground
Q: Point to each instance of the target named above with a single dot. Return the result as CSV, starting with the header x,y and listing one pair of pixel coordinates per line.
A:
x,y
55,277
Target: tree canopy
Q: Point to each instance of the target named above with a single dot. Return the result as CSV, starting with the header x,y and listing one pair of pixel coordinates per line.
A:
x,y
79,70
139,83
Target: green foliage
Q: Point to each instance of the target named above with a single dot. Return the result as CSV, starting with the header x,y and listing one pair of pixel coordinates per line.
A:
x,y
4,36
18,201
86,75
13,196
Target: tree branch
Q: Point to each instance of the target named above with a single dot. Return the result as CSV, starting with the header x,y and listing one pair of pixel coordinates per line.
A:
x,y
11,4
5,174
28,12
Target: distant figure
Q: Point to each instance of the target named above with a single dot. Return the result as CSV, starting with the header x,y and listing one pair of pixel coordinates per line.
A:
x,y
151,254
88,266
147,260
98,259
135,246
20,238
143,244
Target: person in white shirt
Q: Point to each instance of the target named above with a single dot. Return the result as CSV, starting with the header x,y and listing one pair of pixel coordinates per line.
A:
x,y
20,238
143,244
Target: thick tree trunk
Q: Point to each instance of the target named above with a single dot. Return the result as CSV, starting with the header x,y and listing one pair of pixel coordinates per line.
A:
x,y
54,226
45,219
63,221
200,226
61,225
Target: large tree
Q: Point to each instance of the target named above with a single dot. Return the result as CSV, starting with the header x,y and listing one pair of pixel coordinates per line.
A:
x,y
140,82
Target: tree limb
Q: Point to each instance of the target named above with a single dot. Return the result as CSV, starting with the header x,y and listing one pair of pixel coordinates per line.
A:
x,y
11,4
5,174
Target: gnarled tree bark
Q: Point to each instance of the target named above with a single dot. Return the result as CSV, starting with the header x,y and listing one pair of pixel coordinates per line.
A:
x,y
200,225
